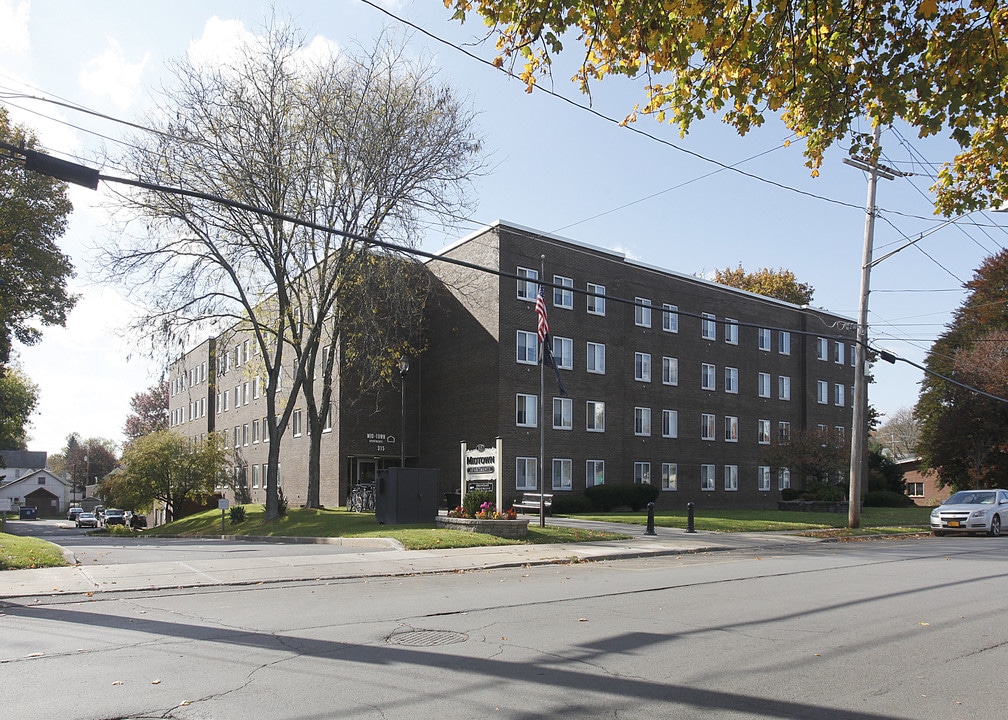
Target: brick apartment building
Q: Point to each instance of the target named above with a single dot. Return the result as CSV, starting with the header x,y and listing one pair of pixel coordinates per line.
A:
x,y
670,379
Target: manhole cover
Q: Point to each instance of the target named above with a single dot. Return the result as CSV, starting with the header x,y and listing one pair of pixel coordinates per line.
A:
x,y
426,638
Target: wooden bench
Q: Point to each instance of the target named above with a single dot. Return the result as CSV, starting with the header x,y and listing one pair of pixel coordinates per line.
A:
x,y
530,503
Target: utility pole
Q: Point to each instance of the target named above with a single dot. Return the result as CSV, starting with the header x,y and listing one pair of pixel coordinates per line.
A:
x,y
858,428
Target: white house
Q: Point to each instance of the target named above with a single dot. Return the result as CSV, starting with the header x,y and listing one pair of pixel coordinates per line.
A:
x,y
41,489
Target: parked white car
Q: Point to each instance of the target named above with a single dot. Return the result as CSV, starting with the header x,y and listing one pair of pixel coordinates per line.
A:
x,y
971,511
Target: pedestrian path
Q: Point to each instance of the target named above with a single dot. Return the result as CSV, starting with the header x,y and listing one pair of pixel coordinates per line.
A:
x,y
390,561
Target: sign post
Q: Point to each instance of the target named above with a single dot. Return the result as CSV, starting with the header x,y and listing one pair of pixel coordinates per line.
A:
x,y
222,503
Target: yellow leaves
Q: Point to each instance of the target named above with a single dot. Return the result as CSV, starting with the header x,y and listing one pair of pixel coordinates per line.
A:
x,y
927,9
697,31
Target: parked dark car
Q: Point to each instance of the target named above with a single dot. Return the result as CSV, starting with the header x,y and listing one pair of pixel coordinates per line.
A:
x,y
73,512
114,517
137,521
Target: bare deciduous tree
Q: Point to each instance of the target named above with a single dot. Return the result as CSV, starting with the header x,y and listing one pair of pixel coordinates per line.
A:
x,y
900,433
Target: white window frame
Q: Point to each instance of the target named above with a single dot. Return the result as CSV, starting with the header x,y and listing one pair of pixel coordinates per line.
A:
x,y
763,385
838,395
528,284
731,331
563,296
595,358
763,478
642,312
296,423
783,478
783,432
563,353
838,352
670,318
670,371
563,473
731,478
708,426
642,367
595,299
763,431
526,410
670,476
731,380
642,473
670,423
764,339
707,482
526,473
708,376
784,342
822,348
731,428
708,326
563,408
595,416
822,392
527,348
594,469
783,387
642,421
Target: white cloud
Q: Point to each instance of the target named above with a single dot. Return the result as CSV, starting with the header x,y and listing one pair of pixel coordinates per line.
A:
x,y
14,38
111,75
219,43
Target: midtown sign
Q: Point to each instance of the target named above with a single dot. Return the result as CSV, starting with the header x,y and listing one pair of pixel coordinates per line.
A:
x,y
481,470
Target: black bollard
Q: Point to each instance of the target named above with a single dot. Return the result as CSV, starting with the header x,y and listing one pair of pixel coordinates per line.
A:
x,y
689,518
650,520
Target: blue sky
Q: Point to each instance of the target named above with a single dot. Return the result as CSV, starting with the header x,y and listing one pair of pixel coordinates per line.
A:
x,y
556,167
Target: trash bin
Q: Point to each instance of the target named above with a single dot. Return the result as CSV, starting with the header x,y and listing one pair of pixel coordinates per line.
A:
x,y
453,500
28,513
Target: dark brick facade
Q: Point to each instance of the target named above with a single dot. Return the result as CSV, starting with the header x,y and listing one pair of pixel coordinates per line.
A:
x,y
465,385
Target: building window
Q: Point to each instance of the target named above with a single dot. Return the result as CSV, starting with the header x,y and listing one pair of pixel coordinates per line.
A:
x,y
731,477
527,348
327,419
256,387
822,348
255,432
764,339
562,474
296,423
784,342
838,395
784,432
563,353
731,331
642,421
763,433
594,473
526,410
731,428
838,352
707,381
642,473
670,371
245,434
528,285
525,473
237,438
784,387
642,367
822,392
596,358
226,393
708,326
563,296
670,423
731,380
255,477
596,299
642,312
763,478
764,385
563,413
706,477
840,431
670,318
783,478
669,476
915,489
595,412
708,426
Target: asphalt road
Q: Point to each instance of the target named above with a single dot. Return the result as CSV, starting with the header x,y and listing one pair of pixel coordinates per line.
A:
x,y
878,630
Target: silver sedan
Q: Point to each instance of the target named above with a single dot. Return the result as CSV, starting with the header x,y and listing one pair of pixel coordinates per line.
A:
x,y
971,511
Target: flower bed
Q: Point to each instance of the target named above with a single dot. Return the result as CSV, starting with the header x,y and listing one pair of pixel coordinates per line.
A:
x,y
510,529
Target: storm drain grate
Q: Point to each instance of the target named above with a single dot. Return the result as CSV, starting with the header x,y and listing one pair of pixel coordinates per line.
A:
x,y
426,638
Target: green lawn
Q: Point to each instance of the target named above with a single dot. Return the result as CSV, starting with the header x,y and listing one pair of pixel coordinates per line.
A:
x,y
873,520
342,523
19,553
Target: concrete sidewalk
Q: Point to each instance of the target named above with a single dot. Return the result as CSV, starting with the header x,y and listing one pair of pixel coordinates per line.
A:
x,y
390,562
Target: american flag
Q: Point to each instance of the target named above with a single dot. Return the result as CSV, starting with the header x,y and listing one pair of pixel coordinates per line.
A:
x,y
540,309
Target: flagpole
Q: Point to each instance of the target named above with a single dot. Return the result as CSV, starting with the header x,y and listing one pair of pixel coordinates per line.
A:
x,y
542,401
